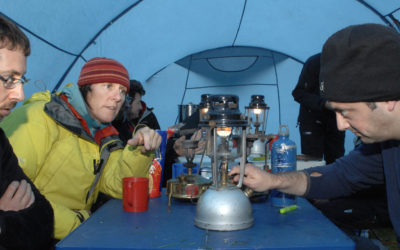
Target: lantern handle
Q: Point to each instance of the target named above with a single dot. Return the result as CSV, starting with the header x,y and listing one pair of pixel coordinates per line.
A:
x,y
242,159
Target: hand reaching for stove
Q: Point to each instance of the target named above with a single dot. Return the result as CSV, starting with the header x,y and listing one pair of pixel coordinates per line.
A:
x,y
291,182
195,137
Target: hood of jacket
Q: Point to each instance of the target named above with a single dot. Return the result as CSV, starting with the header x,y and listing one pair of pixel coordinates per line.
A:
x,y
75,98
70,110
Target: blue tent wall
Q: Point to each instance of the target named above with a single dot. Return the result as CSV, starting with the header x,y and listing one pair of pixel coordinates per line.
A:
x,y
154,39
267,75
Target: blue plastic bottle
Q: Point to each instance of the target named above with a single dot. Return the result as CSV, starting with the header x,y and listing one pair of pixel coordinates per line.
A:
x,y
283,158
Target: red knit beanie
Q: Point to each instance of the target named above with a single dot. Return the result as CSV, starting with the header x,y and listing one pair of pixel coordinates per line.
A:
x,y
101,70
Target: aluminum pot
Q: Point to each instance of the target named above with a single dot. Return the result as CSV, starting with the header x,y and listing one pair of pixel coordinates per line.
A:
x,y
186,110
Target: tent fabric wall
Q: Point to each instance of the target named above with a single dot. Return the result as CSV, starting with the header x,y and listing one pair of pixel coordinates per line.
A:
x,y
194,75
155,38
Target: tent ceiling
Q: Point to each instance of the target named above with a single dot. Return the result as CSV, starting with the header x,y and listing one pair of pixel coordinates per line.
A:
x,y
149,35
238,47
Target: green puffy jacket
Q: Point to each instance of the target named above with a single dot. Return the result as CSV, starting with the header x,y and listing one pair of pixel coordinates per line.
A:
x,y
62,159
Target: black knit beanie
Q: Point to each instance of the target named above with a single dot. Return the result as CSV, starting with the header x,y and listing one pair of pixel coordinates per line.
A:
x,y
361,63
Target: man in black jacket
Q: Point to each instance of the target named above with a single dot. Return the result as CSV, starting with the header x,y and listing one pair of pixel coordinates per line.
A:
x,y
320,137
26,217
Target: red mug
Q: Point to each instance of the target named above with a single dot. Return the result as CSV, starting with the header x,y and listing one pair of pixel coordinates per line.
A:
x,y
135,194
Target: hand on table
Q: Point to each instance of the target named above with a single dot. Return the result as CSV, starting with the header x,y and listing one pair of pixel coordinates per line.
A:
x,y
18,196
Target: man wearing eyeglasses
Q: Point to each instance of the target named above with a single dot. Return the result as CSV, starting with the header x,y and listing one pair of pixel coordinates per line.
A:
x,y
14,90
26,217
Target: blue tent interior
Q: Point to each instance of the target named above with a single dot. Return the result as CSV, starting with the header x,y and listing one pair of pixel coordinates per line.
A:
x,y
181,49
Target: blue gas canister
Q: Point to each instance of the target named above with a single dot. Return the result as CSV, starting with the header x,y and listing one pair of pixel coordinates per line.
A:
x,y
283,158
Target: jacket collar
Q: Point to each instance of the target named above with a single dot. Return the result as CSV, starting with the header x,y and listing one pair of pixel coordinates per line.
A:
x,y
75,99
65,113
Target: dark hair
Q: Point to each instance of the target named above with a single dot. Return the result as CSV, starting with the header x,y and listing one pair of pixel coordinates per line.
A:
x,y
136,87
12,37
84,90
371,105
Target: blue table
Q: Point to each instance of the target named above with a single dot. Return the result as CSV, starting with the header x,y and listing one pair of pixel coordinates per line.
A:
x,y
159,228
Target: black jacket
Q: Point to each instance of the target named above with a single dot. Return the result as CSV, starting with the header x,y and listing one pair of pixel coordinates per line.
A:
x,y
306,92
30,228
126,128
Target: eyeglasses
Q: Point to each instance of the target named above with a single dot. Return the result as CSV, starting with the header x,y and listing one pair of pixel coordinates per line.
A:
x,y
11,82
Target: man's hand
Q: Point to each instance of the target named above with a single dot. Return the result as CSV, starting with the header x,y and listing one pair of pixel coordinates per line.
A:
x,y
254,177
18,196
178,146
147,137
195,137
291,182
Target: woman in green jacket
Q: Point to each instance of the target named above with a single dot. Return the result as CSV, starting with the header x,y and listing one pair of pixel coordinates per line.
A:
x,y
66,145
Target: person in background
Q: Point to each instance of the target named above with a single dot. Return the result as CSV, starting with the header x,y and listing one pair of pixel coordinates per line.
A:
x,y
67,146
320,137
26,217
135,114
360,78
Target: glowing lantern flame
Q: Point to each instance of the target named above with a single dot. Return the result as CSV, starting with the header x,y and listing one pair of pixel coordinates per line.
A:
x,y
257,111
224,131
204,110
